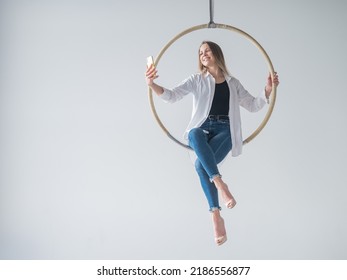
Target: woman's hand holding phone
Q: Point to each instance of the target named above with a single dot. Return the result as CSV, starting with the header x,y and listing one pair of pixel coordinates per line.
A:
x,y
151,75
151,72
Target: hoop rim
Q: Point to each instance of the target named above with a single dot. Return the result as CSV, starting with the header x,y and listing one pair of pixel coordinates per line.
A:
x,y
247,36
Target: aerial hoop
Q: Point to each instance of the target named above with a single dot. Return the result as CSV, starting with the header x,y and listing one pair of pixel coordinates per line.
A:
x,y
233,29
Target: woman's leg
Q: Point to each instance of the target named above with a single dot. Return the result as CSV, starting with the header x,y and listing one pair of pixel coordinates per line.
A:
x,y
221,145
210,152
211,149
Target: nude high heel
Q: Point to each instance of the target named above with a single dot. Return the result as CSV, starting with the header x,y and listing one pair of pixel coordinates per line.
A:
x,y
231,203
220,239
222,187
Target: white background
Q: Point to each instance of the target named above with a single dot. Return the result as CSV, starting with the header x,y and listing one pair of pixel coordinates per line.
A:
x,y
86,173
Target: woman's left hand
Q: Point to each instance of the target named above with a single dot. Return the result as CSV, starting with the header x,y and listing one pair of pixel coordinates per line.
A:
x,y
268,87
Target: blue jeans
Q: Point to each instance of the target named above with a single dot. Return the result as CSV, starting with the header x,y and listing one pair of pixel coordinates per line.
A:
x,y
211,143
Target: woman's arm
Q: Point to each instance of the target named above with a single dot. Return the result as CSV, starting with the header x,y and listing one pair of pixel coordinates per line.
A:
x,y
254,104
170,95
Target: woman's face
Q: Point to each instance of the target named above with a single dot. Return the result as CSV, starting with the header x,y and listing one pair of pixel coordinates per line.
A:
x,y
206,56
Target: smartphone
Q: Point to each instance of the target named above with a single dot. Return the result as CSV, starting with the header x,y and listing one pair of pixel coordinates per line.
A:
x,y
150,61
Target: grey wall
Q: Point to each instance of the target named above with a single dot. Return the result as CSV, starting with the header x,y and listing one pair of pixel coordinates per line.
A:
x,y
86,173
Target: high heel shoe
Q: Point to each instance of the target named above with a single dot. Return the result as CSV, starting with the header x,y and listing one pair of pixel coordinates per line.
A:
x,y
231,203
219,223
220,240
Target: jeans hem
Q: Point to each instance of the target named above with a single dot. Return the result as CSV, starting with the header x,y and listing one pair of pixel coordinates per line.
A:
x,y
212,209
215,176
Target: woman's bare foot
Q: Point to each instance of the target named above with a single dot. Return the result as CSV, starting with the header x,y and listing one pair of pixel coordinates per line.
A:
x,y
219,228
227,197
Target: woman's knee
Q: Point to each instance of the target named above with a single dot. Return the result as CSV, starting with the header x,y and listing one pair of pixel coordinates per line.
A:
x,y
198,166
195,133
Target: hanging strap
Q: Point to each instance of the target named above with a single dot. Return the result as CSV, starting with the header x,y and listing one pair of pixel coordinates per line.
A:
x,y
211,24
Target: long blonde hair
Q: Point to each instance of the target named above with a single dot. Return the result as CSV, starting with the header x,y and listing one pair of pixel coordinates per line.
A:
x,y
218,55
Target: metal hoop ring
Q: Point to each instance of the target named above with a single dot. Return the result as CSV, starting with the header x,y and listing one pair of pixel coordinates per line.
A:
x,y
244,34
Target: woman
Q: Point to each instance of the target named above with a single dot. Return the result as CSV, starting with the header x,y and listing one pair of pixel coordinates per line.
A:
x,y
215,127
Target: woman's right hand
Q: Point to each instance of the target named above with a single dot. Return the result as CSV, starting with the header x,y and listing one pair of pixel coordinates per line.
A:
x,y
151,75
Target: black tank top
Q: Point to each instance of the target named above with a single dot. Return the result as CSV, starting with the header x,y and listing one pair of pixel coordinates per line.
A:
x,y
220,103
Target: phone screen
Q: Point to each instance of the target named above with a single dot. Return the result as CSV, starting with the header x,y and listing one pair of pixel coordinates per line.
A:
x,y
150,61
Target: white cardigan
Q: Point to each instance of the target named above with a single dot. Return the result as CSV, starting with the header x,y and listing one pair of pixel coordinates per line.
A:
x,y
202,86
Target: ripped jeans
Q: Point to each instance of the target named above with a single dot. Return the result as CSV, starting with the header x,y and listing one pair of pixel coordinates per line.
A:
x,y
211,143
